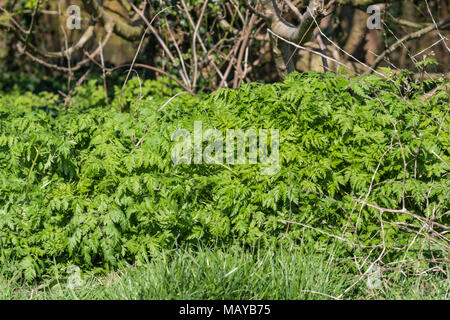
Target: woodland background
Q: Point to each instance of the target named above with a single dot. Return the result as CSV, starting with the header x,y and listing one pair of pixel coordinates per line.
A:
x,y
212,44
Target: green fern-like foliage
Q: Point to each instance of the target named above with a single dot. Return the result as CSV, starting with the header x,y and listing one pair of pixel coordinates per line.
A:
x,y
92,186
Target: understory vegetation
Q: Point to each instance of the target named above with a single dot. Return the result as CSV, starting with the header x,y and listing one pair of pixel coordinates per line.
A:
x,y
361,194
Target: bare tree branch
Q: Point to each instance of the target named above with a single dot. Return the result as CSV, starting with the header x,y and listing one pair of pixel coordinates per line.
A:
x,y
410,36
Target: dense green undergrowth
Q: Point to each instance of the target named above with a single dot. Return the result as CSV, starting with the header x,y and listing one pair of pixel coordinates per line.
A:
x,y
92,186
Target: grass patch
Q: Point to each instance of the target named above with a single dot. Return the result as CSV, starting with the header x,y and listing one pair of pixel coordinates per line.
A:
x,y
231,273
